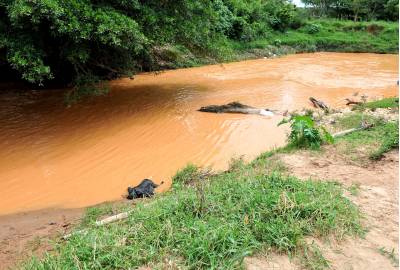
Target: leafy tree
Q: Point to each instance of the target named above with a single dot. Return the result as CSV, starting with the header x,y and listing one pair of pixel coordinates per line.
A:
x,y
64,41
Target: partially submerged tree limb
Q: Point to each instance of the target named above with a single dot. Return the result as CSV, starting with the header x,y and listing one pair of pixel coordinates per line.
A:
x,y
352,102
236,107
319,104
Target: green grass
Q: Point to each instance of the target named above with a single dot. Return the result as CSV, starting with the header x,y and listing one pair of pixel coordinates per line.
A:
x,y
372,143
391,255
354,189
389,140
354,119
392,102
214,223
332,35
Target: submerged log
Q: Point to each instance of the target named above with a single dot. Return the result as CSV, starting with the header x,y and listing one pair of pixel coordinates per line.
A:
x,y
235,107
319,104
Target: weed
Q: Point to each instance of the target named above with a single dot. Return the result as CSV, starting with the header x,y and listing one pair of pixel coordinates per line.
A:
x,y
391,255
354,189
312,258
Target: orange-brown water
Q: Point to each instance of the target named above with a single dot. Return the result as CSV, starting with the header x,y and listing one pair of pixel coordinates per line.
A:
x,y
53,156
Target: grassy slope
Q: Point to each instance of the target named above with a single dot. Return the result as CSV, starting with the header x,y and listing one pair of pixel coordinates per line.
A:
x,y
214,222
392,102
332,35
375,141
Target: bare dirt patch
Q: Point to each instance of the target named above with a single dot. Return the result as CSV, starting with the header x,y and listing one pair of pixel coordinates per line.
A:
x,y
373,187
24,234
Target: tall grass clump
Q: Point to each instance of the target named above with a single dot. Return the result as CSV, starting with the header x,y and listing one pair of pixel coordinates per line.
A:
x,y
390,140
392,102
213,224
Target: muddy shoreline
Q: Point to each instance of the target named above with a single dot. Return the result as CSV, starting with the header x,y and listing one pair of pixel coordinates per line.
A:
x,y
23,234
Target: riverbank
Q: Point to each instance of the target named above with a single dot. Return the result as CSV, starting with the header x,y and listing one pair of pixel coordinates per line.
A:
x,y
163,232
323,35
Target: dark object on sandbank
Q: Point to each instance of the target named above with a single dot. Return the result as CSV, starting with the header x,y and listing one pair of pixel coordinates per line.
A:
x,y
235,107
144,189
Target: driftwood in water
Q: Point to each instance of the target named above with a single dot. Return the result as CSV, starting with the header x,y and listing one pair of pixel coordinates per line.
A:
x,y
235,107
352,102
319,104
348,131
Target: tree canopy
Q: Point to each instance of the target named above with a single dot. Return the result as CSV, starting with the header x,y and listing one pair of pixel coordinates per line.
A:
x,y
356,9
65,40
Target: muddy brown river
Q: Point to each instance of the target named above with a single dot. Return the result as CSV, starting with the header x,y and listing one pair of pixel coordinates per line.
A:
x,y
57,157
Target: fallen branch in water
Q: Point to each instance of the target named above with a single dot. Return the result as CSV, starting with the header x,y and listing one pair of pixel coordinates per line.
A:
x,y
319,104
236,107
352,102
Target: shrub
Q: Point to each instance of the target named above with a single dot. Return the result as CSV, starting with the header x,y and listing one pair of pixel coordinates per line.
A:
x,y
312,28
304,133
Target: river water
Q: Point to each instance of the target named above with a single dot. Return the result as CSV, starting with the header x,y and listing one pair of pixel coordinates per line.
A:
x,y
52,156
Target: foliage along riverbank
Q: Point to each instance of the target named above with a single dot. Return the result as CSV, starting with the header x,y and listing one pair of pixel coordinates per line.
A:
x,y
214,220
78,42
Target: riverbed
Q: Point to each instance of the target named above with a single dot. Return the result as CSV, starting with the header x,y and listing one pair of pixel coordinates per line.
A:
x,y
53,156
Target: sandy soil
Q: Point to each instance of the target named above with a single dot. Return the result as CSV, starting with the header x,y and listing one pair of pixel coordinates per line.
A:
x,y
24,234
377,199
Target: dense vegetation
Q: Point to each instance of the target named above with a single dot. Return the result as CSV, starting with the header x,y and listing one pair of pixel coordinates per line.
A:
x,y
46,39
356,9
64,41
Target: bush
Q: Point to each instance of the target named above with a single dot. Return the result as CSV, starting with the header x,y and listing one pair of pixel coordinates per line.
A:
x,y
312,28
304,133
